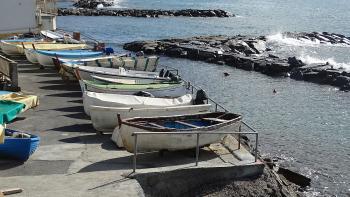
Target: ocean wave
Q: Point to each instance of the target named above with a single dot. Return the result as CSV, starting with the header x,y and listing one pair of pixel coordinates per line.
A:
x,y
284,39
117,4
307,59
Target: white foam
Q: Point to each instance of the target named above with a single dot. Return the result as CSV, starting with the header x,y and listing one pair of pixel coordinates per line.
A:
x,y
283,39
315,60
117,4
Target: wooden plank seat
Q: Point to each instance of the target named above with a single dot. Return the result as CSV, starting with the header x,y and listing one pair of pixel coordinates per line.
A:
x,y
187,124
215,119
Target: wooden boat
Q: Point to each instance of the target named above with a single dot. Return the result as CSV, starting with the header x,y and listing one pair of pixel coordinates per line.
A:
x,y
45,57
30,101
11,48
85,73
29,51
132,101
171,89
205,122
66,67
105,118
2,42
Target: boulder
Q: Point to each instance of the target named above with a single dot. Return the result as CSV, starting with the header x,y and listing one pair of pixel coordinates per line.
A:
x,y
92,4
295,63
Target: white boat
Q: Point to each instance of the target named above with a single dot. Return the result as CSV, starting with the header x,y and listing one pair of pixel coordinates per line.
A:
x,y
105,118
66,67
131,101
204,122
85,73
157,90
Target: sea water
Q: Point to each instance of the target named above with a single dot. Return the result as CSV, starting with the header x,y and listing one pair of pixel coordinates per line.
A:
x,y
305,125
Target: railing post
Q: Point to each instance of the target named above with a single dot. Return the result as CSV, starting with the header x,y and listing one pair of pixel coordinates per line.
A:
x,y
197,149
239,136
135,152
256,147
216,107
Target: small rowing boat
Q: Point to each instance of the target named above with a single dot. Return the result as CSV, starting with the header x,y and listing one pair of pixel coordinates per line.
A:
x,y
45,57
204,122
131,101
29,49
170,89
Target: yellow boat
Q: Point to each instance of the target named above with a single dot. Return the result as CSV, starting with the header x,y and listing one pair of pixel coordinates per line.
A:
x,y
30,101
11,48
2,134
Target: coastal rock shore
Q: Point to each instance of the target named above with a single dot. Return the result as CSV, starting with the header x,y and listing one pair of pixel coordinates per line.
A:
x,y
92,4
143,13
252,54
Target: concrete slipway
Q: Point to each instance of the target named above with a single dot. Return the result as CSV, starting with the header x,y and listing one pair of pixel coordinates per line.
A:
x,y
73,161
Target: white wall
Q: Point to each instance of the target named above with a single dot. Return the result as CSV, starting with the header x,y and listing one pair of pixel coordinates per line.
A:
x,y
17,15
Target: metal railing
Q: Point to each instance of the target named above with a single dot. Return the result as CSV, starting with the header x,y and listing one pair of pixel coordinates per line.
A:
x,y
135,134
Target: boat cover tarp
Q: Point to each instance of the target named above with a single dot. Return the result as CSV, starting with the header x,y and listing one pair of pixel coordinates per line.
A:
x,y
30,101
9,110
131,100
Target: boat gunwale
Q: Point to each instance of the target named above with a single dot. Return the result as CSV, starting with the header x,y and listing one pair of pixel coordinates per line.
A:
x,y
180,117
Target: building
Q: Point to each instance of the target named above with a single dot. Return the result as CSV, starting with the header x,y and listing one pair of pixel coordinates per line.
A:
x,y
21,16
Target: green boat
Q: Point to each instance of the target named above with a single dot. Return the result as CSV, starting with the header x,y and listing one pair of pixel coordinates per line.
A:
x,y
171,89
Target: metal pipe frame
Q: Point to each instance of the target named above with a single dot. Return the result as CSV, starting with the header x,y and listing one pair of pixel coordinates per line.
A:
x,y
135,134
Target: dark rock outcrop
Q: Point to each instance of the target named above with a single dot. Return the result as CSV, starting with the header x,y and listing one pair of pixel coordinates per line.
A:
x,y
89,10
248,53
92,4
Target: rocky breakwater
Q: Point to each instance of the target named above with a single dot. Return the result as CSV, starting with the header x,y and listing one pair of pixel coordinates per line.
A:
x,y
249,53
92,4
143,13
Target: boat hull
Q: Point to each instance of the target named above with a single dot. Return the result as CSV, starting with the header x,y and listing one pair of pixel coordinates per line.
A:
x,y
172,142
171,91
130,101
105,118
31,56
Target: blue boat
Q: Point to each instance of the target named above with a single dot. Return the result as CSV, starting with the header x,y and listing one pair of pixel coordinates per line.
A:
x,y
44,57
18,148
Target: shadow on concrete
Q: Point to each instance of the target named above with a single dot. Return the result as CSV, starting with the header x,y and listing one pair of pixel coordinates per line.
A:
x,y
150,160
64,87
8,163
104,140
70,109
110,183
80,115
59,81
67,94
80,101
84,128
48,74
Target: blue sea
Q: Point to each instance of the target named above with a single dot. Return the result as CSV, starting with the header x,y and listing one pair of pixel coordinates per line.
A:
x,y
305,125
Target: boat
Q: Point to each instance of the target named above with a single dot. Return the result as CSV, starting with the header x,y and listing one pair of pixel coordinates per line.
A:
x,y
16,41
45,57
108,74
105,118
66,67
203,122
9,110
18,145
29,49
11,48
170,89
30,101
131,101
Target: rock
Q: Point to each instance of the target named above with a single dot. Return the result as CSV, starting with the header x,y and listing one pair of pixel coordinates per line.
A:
x,y
342,81
88,6
174,52
295,63
92,4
